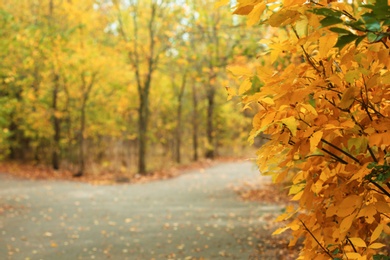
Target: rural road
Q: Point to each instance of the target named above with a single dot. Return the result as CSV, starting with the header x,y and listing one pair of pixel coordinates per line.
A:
x,y
194,216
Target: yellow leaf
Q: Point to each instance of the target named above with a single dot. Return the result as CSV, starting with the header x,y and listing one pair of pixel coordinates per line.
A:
x,y
376,245
348,97
326,44
314,140
221,3
293,2
352,75
231,93
301,27
296,188
357,241
255,14
377,232
245,86
352,255
291,124
346,223
280,230
308,108
368,213
240,71
267,100
297,196
283,17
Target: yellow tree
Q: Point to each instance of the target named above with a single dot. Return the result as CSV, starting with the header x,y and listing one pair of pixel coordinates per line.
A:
x,y
146,32
327,112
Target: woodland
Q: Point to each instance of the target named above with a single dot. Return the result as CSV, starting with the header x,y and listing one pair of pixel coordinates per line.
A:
x,y
119,86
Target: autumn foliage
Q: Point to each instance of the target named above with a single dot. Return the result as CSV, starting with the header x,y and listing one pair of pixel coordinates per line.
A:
x,y
322,94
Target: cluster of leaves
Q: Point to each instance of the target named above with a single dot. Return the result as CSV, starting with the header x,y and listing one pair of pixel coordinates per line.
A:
x,y
324,101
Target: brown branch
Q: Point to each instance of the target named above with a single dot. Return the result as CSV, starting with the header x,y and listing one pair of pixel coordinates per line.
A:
x,y
340,150
353,247
384,43
381,188
365,105
372,153
312,235
334,156
308,58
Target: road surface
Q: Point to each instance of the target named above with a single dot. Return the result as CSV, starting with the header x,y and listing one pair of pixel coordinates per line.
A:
x,y
194,216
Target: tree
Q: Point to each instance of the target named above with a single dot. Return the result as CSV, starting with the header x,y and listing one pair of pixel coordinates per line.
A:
x,y
327,112
147,37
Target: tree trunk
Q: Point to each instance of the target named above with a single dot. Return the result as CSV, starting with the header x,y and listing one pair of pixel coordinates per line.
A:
x,y
178,134
179,119
195,155
56,126
142,131
210,153
81,140
86,89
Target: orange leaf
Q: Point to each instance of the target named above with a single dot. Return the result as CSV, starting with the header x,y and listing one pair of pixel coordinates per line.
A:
x,y
314,140
349,97
377,232
346,223
243,10
382,207
357,241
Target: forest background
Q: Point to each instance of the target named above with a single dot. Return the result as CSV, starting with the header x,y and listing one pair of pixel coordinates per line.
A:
x,y
120,86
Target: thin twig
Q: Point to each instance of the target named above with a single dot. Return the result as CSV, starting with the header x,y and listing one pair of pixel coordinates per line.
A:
x,y
323,248
308,58
353,247
340,150
334,156
372,153
381,188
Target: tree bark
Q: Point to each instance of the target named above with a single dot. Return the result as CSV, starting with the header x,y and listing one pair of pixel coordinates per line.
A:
x,y
86,89
142,131
56,125
210,151
195,133
179,119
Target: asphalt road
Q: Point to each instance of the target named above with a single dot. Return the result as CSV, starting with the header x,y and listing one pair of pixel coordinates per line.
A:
x,y
194,216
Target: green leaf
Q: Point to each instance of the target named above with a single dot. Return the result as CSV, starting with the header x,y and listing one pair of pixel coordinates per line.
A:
x,y
371,165
359,40
345,39
371,37
327,21
339,30
327,12
256,85
312,101
371,21
357,25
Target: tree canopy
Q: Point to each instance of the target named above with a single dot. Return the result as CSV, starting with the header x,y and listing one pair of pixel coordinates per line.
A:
x,y
96,86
